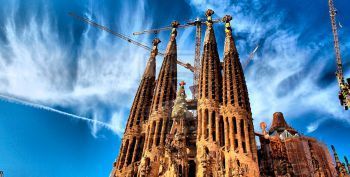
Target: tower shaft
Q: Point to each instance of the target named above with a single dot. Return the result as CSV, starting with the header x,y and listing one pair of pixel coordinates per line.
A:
x,y
239,139
159,122
209,99
133,140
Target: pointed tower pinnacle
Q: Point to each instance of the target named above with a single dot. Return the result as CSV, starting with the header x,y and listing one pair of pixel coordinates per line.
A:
x,y
150,70
162,103
177,150
239,138
209,100
180,104
347,164
165,91
338,165
133,139
236,92
210,78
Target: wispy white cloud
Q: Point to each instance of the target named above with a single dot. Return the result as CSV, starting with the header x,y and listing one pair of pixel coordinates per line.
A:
x,y
314,125
36,66
102,79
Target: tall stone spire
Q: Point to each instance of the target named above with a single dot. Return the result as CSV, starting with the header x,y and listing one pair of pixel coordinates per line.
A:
x,y
235,93
162,102
347,163
165,92
237,128
133,139
209,99
210,77
338,165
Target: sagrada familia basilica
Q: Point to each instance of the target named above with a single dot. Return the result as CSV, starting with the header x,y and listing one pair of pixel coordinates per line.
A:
x,y
212,136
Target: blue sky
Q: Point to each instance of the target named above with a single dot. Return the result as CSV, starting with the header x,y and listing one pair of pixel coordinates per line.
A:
x,y
48,58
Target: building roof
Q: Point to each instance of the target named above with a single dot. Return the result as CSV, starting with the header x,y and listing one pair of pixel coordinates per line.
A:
x,y
279,124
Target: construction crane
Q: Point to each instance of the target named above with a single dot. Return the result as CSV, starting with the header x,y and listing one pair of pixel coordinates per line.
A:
x,y
198,22
122,36
344,86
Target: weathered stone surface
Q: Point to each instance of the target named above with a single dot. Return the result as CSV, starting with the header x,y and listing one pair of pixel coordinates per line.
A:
x,y
164,138
284,152
134,137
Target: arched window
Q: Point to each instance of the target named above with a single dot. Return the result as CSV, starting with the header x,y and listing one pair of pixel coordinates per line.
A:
x,y
206,117
199,124
192,168
242,128
159,132
213,125
222,131
223,160
206,76
122,159
227,135
234,125
140,147
244,147
151,135
131,151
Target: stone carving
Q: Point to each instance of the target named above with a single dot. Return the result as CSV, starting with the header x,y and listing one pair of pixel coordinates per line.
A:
x,y
145,167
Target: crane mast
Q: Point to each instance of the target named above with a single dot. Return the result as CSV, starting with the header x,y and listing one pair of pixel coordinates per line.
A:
x,y
197,57
344,87
332,13
197,60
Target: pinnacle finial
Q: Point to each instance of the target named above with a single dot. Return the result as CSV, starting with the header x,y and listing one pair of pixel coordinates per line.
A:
x,y
263,126
182,83
227,18
174,24
182,87
335,154
333,148
156,41
208,14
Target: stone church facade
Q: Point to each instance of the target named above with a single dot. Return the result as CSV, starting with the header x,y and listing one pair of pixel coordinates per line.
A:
x,y
212,136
